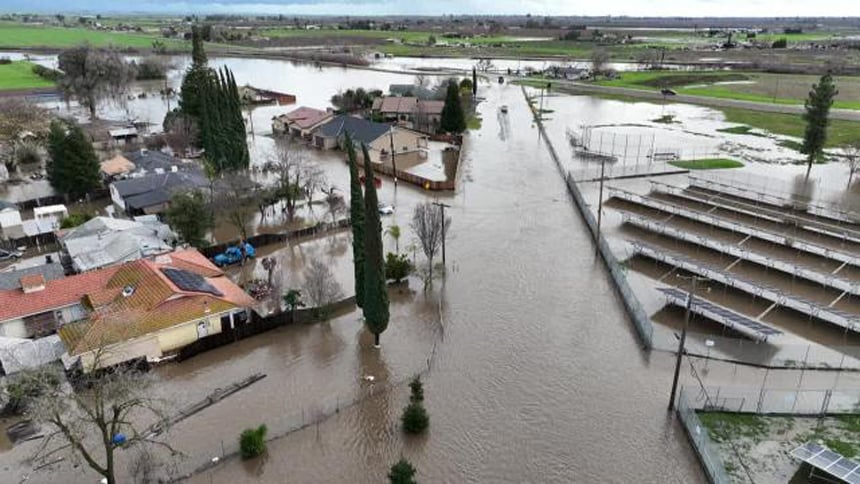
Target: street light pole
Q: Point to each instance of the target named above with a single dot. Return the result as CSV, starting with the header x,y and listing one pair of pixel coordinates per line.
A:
x,y
690,295
442,207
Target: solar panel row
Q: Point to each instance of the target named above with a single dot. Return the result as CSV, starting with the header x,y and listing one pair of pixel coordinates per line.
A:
x,y
730,316
828,461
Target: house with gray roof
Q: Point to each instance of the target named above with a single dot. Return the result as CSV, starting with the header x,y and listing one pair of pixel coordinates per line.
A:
x,y
105,241
10,280
150,194
332,134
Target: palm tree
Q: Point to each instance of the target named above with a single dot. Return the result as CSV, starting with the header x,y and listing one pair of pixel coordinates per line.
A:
x,y
393,231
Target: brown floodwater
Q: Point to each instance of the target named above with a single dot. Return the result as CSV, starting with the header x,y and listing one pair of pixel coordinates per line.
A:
x,y
536,373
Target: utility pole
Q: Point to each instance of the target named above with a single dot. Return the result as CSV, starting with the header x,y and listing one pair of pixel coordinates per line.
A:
x,y
393,164
690,295
442,207
599,207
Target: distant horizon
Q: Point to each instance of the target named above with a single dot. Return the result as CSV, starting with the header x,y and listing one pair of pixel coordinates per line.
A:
x,y
684,9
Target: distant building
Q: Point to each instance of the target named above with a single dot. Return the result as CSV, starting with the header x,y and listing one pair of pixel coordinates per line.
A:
x,y
411,90
411,112
104,242
301,122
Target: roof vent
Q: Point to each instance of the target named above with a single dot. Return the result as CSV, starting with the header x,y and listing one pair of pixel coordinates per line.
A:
x,y
127,291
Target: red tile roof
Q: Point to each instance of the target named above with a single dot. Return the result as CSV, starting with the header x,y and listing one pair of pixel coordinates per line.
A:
x,y
59,293
140,299
305,117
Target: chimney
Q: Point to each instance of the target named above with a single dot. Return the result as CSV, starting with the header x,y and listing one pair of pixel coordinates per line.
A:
x,y
33,283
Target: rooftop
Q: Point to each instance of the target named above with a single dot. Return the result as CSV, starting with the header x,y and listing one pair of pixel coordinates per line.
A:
x,y
104,241
146,296
361,130
305,117
12,279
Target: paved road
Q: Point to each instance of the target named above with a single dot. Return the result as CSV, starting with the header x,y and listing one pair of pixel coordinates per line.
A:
x,y
571,86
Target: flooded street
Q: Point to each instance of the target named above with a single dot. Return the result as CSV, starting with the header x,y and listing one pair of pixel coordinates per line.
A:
x,y
532,369
537,373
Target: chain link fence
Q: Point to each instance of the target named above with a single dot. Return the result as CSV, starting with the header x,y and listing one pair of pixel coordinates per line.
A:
x,y
706,450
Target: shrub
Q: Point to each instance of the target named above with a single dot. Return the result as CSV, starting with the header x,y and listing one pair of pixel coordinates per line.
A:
x,y
252,442
5,60
46,73
780,43
402,473
466,84
417,389
74,219
397,266
28,154
415,419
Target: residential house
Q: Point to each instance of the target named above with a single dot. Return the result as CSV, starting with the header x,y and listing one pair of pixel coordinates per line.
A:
x,y
10,280
11,225
151,194
301,122
45,220
105,241
37,305
139,163
153,308
332,134
411,112
123,136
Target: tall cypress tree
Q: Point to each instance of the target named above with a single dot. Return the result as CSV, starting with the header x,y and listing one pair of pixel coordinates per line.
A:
x,y
375,290
198,54
817,117
356,215
74,167
474,81
193,84
453,119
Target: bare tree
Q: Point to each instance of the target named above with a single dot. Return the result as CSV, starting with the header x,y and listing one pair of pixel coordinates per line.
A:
x,y
852,157
430,229
235,199
421,80
288,166
313,179
92,414
93,76
599,60
336,204
20,120
320,287
181,134
484,65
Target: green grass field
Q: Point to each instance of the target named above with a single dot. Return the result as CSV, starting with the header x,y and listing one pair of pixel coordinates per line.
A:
x,y
754,87
17,35
19,75
839,133
707,164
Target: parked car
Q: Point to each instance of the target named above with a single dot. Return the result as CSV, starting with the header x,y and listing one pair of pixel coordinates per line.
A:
x,y
385,209
10,254
667,92
233,254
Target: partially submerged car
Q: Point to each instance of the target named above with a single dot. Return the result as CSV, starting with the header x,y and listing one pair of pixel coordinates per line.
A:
x,y
385,209
234,254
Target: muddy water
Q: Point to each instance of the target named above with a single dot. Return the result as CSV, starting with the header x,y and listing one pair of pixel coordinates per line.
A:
x,y
538,375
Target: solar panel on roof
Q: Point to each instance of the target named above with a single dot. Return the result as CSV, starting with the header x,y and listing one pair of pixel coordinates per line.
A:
x,y
190,281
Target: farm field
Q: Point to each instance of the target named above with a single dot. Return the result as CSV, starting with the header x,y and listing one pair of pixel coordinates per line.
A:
x,y
19,75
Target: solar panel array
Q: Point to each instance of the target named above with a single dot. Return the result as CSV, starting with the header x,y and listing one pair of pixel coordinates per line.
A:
x,y
828,461
731,317
190,281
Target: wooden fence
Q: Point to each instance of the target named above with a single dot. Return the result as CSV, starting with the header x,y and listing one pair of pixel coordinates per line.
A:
x,y
261,240
260,324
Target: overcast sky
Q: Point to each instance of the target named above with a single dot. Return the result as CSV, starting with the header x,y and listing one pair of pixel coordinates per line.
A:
x,y
687,8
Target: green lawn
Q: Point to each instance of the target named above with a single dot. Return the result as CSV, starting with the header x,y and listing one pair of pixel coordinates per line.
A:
x,y
741,129
839,133
754,87
19,75
707,164
14,35
474,122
